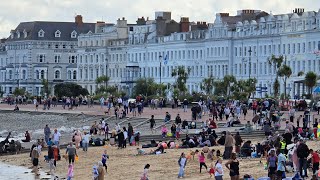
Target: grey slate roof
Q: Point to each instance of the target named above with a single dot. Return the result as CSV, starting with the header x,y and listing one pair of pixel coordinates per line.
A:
x,y
49,28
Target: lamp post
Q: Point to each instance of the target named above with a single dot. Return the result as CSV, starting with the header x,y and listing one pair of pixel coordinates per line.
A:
x,y
250,51
160,59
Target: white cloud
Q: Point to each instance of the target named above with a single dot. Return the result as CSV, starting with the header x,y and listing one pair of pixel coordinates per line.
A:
x,y
16,11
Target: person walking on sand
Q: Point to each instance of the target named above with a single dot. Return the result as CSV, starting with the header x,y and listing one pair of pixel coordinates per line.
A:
x,y
182,164
100,171
35,160
218,174
145,172
233,166
56,137
85,141
47,133
228,145
72,152
152,123
104,159
70,172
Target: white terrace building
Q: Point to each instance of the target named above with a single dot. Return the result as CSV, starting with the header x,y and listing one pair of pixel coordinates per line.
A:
x,y
220,49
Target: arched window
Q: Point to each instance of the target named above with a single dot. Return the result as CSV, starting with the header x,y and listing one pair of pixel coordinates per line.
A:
x,y
57,74
74,74
42,74
24,74
69,74
37,74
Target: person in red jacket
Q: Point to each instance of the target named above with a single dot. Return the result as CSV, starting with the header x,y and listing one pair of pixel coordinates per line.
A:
x,y
314,160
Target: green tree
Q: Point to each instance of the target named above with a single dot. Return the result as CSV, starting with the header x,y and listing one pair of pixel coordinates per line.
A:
x,y
102,80
181,74
285,72
276,63
207,85
146,87
46,89
69,90
19,92
223,87
310,80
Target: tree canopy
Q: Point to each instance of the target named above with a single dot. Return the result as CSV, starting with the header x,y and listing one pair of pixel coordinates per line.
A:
x,y
69,90
310,80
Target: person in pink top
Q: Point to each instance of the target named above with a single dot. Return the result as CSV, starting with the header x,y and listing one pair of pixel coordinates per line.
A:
x,y
164,131
202,161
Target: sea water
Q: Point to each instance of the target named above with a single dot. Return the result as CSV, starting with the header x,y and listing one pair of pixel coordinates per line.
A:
x,y
11,172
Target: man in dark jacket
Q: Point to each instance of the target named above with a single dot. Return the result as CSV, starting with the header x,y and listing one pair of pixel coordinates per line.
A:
x,y
303,153
130,132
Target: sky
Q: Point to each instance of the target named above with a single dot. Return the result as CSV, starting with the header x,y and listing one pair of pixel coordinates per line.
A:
x,y
12,12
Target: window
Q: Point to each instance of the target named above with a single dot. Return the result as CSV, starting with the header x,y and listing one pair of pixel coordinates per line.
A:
x,y
57,34
97,72
74,34
41,58
57,74
91,73
74,74
86,73
10,74
41,33
36,75
72,59
42,74
24,74
69,75
57,58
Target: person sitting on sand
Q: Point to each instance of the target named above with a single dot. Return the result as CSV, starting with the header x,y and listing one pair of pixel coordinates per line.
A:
x,y
27,136
16,108
141,151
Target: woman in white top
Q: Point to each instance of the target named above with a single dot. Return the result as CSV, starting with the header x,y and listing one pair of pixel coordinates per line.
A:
x,y
218,170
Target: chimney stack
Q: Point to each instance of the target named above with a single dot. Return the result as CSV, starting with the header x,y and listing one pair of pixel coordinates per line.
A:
x,y
78,20
184,24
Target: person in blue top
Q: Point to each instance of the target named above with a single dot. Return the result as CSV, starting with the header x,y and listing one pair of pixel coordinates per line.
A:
x,y
105,156
281,167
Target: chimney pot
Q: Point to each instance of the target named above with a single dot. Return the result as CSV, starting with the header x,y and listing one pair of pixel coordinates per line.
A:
x,y
78,20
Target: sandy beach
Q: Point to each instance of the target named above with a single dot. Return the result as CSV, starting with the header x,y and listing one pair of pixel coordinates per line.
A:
x,y
123,164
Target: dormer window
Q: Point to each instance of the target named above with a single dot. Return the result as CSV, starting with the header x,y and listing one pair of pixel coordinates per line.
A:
x,y
41,33
74,34
25,34
11,35
18,34
57,34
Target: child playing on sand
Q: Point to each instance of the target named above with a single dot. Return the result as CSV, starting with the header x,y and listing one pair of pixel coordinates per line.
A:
x,y
218,153
105,156
70,172
164,131
211,171
202,161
